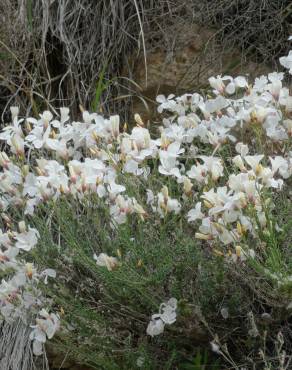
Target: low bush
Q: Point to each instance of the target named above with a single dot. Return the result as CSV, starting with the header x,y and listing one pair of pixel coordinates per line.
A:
x,y
156,248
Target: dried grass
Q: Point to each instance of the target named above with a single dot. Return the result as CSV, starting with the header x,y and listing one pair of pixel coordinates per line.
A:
x,y
68,43
53,51
15,348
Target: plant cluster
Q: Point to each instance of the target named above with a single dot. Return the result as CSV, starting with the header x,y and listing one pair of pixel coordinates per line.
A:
x,y
101,223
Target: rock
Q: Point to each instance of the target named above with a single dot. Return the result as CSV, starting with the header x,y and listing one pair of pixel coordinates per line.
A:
x,y
194,57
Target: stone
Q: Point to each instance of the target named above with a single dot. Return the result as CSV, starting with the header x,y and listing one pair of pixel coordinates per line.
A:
x,y
185,68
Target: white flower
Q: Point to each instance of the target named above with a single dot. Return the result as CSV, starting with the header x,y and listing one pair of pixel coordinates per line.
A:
x,y
17,145
45,327
115,125
280,164
195,213
187,185
254,162
238,82
155,326
215,105
46,116
165,103
242,149
237,160
64,111
38,137
241,82
4,160
226,236
167,204
48,273
106,261
14,112
215,347
131,166
168,159
217,83
166,316
214,166
288,126
27,239
141,137
115,189
168,311
287,61
37,346
88,117
30,185
198,172
224,312
51,158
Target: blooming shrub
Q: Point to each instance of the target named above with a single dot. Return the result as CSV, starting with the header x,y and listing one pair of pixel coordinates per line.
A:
x,y
215,168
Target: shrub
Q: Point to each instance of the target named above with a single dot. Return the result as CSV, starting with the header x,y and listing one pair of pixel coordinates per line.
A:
x,y
145,248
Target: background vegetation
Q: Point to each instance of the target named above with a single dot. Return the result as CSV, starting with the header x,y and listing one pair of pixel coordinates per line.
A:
x,y
55,53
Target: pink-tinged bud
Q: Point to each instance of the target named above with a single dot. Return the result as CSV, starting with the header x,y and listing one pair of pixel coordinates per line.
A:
x,y
73,176
84,187
44,194
6,219
4,160
239,163
18,202
4,258
7,187
17,145
73,179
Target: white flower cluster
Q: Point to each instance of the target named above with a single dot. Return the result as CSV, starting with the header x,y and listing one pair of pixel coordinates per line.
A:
x,y
48,158
19,293
16,291
238,208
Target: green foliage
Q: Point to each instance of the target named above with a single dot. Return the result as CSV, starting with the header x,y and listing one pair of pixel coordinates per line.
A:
x,y
201,362
107,312
108,307
29,15
102,85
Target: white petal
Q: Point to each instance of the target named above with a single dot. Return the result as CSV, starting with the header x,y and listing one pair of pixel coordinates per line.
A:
x,y
37,348
230,88
155,327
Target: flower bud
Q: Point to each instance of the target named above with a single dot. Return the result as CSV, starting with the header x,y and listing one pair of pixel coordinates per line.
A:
x,y
14,112
22,227
138,119
187,186
203,236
